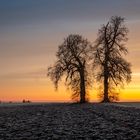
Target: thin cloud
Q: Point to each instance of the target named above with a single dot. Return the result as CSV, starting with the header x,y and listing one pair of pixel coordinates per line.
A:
x,y
38,74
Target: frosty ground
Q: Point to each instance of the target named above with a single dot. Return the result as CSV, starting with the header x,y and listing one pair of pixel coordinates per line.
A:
x,y
69,121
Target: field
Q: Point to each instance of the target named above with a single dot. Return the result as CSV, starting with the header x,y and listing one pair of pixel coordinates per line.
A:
x,y
129,104
69,121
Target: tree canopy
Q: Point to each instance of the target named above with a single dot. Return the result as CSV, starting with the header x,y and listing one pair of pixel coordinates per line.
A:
x,y
75,54
108,56
73,63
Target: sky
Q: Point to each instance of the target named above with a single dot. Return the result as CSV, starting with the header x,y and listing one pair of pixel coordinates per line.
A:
x,y
32,30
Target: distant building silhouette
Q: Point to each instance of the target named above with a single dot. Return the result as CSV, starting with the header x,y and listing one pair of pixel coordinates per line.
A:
x,y
26,101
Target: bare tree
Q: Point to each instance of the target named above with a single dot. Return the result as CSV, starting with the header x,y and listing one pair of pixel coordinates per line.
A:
x,y
73,62
108,56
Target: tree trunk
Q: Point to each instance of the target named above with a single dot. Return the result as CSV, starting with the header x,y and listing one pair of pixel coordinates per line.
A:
x,y
106,74
105,98
82,87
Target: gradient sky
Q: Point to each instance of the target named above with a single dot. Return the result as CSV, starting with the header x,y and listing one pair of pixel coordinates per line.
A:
x,y
31,30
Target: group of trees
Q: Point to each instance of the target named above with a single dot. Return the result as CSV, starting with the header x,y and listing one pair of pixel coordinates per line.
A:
x,y
78,60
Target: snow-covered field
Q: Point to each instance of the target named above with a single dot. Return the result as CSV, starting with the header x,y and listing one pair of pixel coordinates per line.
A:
x,y
69,121
129,104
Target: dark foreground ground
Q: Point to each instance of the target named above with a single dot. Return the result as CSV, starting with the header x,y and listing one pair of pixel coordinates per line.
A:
x,y
69,121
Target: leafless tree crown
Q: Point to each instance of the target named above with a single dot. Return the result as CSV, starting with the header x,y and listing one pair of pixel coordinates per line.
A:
x,y
72,62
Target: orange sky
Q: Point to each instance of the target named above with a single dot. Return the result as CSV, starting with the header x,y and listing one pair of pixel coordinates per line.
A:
x,y
30,35
41,89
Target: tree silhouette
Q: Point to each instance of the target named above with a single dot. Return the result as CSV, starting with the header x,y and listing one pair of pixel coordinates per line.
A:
x,y
108,56
73,62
